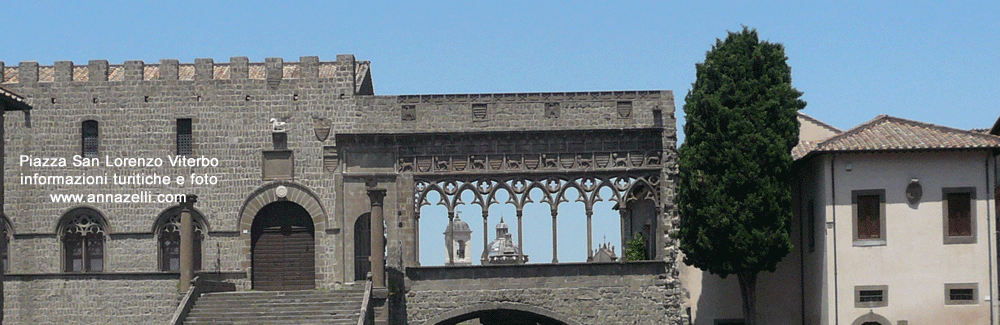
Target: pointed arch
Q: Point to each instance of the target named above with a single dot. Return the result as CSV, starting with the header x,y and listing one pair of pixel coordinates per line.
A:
x,y
433,187
83,231
467,186
511,195
167,230
583,195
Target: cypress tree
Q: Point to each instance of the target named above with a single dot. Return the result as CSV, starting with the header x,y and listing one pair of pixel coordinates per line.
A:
x,y
735,185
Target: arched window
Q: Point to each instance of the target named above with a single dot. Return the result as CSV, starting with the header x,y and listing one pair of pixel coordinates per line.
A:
x,y
461,249
89,131
83,231
168,230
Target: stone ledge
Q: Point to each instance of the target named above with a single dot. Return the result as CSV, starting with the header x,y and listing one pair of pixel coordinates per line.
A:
x,y
425,273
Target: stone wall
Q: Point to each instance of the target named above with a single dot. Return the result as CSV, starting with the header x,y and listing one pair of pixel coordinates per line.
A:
x,y
136,106
123,299
612,293
230,104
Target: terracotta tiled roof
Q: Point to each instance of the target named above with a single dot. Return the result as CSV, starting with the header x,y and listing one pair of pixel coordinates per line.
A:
x,y
802,149
886,133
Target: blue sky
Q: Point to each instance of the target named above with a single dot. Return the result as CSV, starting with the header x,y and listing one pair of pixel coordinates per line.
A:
x,y
927,61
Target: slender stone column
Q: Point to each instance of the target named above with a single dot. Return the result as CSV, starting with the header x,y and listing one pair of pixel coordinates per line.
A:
x,y
377,238
590,235
450,241
416,236
520,238
555,243
486,243
626,226
187,242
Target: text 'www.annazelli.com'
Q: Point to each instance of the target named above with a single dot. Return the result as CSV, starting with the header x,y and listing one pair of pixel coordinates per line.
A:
x,y
141,197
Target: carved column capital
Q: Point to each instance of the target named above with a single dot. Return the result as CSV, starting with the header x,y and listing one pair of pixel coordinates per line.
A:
x,y
376,195
189,201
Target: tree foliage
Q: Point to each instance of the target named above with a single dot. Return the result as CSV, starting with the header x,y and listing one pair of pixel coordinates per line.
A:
x,y
635,248
734,188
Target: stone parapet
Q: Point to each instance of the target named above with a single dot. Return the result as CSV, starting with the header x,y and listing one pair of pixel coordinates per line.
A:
x,y
574,293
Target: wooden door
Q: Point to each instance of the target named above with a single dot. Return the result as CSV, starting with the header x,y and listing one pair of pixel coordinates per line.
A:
x,y
283,249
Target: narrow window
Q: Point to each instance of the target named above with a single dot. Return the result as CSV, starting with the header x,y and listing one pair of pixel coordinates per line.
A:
x,y
170,251
868,208
959,221
461,249
5,242
868,217
961,293
959,215
871,296
184,136
89,131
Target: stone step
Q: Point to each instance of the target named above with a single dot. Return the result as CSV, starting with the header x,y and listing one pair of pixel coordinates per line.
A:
x,y
325,305
280,300
291,319
244,299
275,313
272,320
308,293
287,293
278,307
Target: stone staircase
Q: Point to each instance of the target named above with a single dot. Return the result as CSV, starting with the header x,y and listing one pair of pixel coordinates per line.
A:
x,y
278,307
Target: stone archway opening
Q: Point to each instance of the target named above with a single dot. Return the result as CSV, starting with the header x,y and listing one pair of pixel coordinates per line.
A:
x,y
503,317
639,216
871,318
283,253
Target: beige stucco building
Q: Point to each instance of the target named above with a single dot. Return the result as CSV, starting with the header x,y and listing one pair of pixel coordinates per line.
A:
x,y
891,225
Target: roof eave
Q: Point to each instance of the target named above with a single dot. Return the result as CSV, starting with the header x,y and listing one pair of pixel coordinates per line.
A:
x,y
12,105
817,152
12,102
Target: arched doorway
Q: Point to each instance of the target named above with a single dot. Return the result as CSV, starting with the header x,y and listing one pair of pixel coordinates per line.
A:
x,y
282,248
362,246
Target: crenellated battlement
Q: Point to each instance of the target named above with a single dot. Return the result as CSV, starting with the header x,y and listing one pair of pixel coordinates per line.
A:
x,y
238,68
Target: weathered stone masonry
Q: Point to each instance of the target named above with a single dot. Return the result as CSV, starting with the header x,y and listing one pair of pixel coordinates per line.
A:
x,y
612,293
324,104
